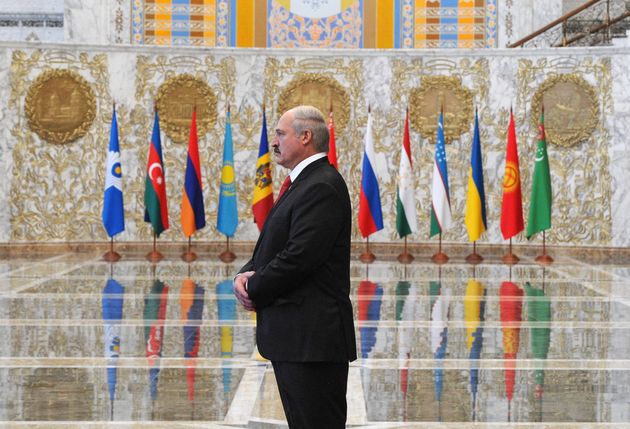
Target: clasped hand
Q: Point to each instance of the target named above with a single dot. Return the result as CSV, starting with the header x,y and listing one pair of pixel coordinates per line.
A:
x,y
240,290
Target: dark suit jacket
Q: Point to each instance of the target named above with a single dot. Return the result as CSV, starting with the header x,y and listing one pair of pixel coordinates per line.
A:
x,y
302,261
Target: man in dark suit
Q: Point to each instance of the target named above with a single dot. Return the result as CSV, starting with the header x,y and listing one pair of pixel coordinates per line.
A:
x,y
298,280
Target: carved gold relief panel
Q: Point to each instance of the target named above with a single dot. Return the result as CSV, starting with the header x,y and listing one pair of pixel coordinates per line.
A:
x,y
176,84
55,194
314,81
578,157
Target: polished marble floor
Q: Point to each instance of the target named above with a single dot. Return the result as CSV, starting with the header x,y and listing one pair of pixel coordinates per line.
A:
x,y
89,344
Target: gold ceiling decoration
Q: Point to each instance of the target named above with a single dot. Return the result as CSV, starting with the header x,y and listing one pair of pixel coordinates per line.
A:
x,y
571,109
320,91
60,106
434,93
176,99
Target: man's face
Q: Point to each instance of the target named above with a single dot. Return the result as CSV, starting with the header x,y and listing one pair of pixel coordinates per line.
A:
x,y
288,148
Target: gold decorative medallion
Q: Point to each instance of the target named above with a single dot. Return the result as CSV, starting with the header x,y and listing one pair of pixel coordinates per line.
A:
x,y
60,106
434,93
176,99
320,91
571,109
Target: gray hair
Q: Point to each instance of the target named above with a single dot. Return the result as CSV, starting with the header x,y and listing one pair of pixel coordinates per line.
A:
x,y
311,118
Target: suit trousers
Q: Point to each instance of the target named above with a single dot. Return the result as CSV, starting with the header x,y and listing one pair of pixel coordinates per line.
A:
x,y
313,393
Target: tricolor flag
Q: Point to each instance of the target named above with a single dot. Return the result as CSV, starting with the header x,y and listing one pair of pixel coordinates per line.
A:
x,y
263,191
406,218
332,147
370,215
155,205
113,210
112,304
227,218
475,218
512,206
441,202
191,301
193,213
540,205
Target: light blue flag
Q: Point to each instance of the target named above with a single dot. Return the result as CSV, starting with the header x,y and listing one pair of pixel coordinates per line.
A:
x,y
227,219
113,210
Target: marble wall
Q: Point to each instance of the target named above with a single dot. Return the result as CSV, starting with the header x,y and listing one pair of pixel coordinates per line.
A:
x,y
54,192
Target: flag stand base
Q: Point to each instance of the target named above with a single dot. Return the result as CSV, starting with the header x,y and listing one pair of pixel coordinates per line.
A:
x,y
227,256
510,259
405,257
544,259
111,256
367,257
189,256
474,258
440,258
154,256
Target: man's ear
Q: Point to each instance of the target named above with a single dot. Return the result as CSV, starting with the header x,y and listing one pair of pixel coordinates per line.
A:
x,y
307,136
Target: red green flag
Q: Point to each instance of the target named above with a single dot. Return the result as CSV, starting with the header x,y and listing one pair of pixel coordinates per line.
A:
x,y
540,204
155,206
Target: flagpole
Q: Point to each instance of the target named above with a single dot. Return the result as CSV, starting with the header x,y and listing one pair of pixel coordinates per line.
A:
x,y
189,256
405,257
440,257
544,259
510,258
111,255
474,257
154,255
227,255
367,257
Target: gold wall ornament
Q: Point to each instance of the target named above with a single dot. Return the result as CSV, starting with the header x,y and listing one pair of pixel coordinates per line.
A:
x,y
176,99
60,106
317,90
571,109
434,93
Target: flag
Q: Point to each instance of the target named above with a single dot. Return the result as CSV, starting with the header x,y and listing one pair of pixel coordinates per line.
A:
x,y
193,213
332,147
263,192
440,301
155,205
227,218
113,210
406,222
476,199
511,307
226,310
370,296
539,316
154,316
540,205
370,215
474,316
441,202
191,304
512,205
112,304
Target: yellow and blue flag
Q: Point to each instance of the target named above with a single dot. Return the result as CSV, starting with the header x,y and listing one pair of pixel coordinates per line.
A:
x,y
113,210
227,218
475,218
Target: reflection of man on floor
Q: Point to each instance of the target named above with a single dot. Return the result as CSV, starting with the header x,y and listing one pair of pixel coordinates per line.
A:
x,y
298,280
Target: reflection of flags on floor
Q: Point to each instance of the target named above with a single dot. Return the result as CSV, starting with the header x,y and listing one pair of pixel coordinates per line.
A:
x,y
112,303
226,303
154,318
440,298
474,316
511,305
405,300
191,302
539,315
369,295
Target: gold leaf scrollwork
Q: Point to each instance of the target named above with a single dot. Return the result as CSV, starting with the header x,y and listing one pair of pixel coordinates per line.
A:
x,y
60,106
320,91
571,109
435,93
176,99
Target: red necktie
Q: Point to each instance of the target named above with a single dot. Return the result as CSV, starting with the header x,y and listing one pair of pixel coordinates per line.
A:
x,y
285,185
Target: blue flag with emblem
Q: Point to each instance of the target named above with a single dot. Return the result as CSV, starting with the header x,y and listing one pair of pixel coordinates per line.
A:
x,y
113,211
227,218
